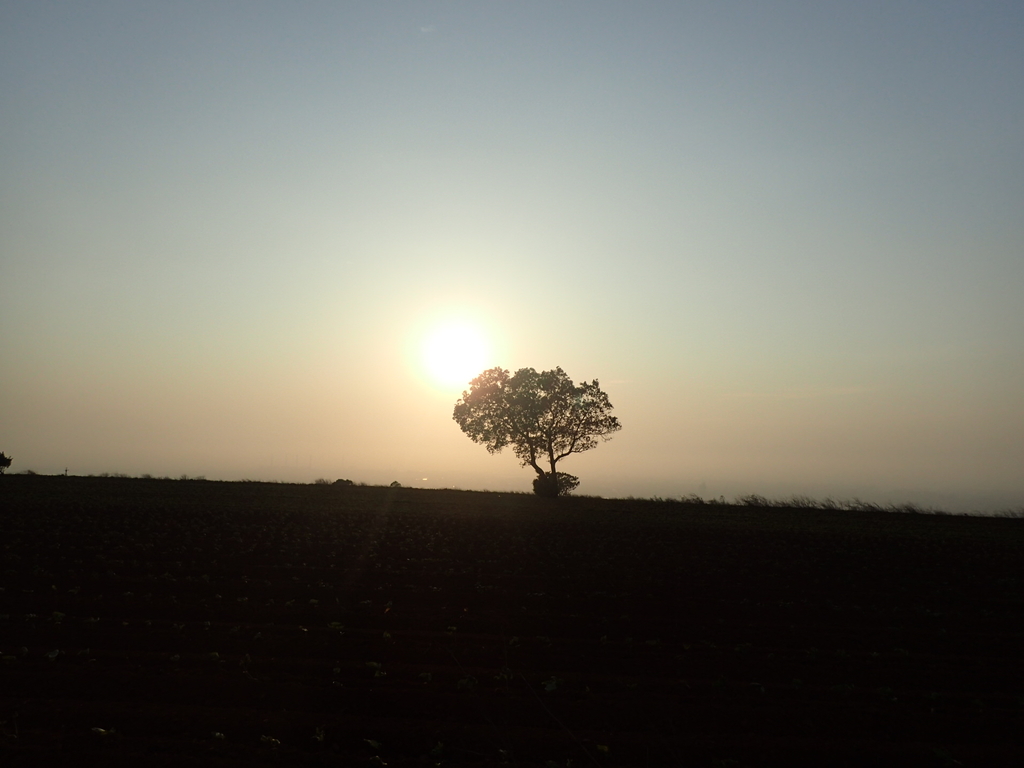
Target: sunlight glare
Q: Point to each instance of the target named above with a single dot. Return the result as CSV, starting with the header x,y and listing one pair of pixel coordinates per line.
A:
x,y
455,353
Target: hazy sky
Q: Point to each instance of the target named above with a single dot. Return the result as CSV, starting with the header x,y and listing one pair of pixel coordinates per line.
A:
x,y
787,238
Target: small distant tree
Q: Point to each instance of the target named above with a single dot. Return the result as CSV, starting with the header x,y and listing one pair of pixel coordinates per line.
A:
x,y
5,462
543,416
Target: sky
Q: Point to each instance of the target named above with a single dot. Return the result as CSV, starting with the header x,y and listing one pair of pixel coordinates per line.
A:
x,y
787,239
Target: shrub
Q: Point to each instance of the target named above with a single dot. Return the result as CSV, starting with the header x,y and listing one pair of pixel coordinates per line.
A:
x,y
551,486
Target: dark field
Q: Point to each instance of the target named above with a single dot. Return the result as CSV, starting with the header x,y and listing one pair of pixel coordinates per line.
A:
x,y
229,624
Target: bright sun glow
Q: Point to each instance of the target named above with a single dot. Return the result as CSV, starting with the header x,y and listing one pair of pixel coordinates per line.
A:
x,y
455,353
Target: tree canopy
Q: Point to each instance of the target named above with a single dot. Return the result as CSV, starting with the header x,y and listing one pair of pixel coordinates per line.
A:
x,y
543,416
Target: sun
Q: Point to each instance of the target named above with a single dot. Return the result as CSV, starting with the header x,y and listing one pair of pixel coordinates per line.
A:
x,y
454,353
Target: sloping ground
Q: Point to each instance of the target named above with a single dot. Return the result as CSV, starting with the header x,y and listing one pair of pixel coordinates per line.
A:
x,y
222,624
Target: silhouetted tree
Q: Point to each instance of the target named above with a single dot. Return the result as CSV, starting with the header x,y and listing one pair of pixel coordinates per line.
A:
x,y
543,416
5,462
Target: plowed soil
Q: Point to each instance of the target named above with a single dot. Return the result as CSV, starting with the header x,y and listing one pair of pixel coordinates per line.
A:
x,y
151,622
